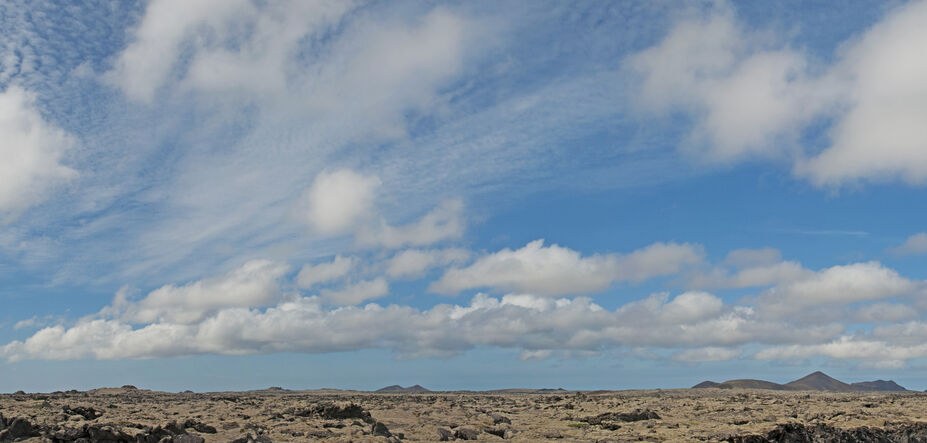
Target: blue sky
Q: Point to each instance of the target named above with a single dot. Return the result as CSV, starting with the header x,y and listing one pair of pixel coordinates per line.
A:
x,y
466,195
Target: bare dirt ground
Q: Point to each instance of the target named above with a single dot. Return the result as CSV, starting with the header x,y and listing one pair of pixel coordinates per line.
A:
x,y
127,414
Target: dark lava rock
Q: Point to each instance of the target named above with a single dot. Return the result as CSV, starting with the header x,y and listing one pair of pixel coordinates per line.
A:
x,y
498,431
333,412
608,419
87,413
380,429
199,426
108,434
253,439
153,435
175,428
801,433
18,428
444,434
499,419
466,434
129,387
187,438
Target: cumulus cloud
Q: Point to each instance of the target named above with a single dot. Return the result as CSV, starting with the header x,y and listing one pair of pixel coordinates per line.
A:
x,y
357,292
537,326
32,151
310,275
881,135
149,59
746,275
338,200
914,245
885,313
837,285
443,223
746,94
253,284
414,262
751,96
846,348
707,354
373,68
554,270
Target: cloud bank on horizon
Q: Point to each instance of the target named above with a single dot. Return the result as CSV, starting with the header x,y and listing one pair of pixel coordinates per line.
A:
x,y
313,177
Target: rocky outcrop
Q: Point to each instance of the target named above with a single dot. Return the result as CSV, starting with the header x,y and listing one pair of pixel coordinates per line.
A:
x,y
801,433
20,428
608,420
86,412
466,434
332,411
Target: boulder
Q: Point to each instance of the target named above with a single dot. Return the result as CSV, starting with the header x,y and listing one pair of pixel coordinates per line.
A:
x,y
466,434
498,431
187,438
500,419
18,428
444,434
199,426
380,429
86,412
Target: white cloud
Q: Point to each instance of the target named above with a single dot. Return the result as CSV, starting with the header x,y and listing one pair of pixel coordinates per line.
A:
x,y
746,95
751,96
443,223
707,354
414,262
357,292
846,348
761,274
147,63
881,135
310,275
253,284
554,270
837,285
339,200
538,326
32,151
914,245
885,313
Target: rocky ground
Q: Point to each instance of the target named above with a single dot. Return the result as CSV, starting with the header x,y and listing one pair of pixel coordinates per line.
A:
x,y
133,415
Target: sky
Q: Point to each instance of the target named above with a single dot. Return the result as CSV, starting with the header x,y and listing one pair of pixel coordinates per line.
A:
x,y
235,194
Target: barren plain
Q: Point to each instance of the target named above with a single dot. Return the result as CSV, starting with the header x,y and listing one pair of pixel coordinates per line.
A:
x,y
134,415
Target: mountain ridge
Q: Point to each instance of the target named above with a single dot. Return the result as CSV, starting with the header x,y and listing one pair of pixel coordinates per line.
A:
x,y
397,388
815,381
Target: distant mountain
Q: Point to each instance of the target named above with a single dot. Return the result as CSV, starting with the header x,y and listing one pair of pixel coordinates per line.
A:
x,y
749,383
397,388
816,381
878,385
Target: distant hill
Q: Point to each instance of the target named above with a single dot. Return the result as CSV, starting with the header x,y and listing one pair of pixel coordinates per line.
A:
x,y
878,385
749,383
397,388
816,381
